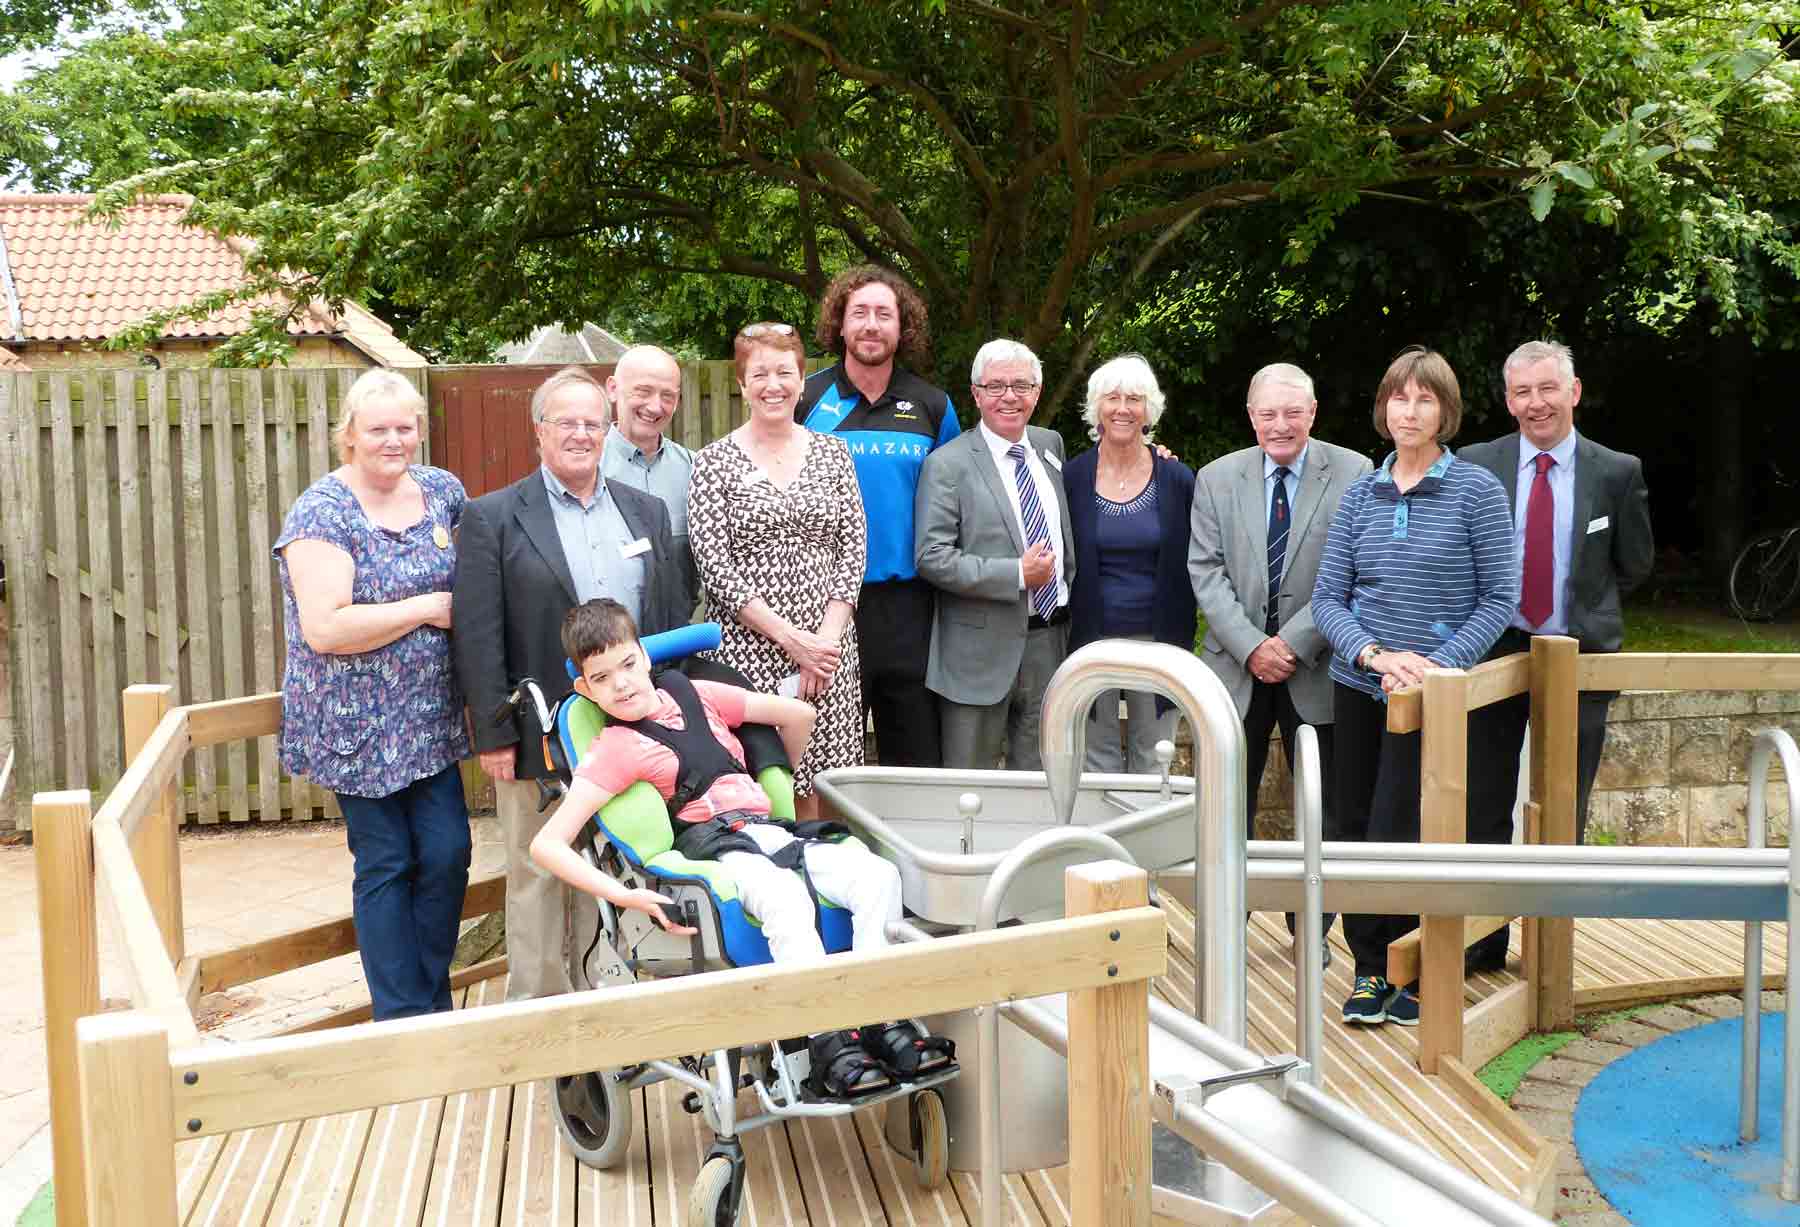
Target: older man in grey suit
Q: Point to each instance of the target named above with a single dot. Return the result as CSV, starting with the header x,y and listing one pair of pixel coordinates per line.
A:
x,y
1260,518
992,536
1581,520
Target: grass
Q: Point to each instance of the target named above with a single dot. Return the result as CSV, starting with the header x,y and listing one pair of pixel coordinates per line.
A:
x,y
1503,1074
1664,630
1684,628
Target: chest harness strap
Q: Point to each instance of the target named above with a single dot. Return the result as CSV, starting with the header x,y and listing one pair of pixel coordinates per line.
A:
x,y
700,761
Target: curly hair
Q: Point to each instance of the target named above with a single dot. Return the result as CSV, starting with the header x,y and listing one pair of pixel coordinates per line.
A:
x,y
914,350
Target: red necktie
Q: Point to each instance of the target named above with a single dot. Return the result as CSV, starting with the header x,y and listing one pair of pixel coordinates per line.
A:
x,y
1537,599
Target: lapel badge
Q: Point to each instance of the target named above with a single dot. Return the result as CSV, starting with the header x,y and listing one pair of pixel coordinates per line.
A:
x,y
440,537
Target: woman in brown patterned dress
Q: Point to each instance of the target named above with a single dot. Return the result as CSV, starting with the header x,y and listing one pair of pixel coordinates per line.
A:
x,y
775,519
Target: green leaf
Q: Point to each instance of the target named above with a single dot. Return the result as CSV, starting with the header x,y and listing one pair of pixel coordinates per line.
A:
x,y
1542,196
1746,64
1578,175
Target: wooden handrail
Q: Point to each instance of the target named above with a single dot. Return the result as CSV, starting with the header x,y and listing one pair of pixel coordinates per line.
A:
x,y
221,1088
1489,682
1689,671
315,943
210,724
151,771
154,985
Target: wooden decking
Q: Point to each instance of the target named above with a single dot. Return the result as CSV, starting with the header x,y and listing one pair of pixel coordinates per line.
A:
x,y
495,1158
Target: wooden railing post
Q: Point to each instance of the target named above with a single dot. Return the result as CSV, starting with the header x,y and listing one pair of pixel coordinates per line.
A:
x,y
127,1121
1443,819
1555,730
155,847
1109,1069
67,928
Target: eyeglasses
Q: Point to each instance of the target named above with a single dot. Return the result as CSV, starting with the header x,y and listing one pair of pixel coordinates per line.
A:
x,y
576,426
1019,387
750,331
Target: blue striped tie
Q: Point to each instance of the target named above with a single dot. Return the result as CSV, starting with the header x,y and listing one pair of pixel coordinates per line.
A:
x,y
1278,535
1031,512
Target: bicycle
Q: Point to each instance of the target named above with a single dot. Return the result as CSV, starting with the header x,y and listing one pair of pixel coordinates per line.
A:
x,y
1765,576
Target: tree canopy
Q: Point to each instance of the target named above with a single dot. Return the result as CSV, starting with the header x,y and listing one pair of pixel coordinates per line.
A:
x,y
1047,170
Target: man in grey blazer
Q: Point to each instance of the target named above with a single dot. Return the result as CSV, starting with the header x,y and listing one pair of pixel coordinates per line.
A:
x,y
1581,520
1260,519
992,536
525,555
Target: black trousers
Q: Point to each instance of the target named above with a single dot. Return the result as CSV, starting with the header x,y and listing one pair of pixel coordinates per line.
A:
x,y
1271,706
1496,739
893,630
1375,789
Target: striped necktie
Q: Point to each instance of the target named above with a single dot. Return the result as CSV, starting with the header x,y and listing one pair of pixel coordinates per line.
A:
x,y
1031,514
1278,535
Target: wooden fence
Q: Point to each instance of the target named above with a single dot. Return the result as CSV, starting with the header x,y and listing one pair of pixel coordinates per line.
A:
x,y
137,509
481,418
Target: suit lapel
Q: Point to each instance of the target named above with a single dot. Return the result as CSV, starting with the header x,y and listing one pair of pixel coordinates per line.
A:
x,y
540,529
1586,465
1253,511
990,473
1312,495
1509,468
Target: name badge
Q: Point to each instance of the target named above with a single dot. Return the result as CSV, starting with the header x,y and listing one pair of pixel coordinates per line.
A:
x,y
1052,461
631,549
1596,525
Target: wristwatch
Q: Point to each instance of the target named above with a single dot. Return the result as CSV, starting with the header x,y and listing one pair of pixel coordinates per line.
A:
x,y
1367,655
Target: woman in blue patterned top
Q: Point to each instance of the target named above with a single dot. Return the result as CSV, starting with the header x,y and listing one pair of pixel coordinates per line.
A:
x,y
1418,573
1128,510
370,708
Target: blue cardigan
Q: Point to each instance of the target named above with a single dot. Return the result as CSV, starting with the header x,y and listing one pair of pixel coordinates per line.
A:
x,y
1175,607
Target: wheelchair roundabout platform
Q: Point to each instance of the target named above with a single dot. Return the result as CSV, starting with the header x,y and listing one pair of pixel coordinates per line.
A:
x,y
1657,1131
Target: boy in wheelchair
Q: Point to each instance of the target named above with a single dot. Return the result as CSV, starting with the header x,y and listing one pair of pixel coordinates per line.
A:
x,y
679,738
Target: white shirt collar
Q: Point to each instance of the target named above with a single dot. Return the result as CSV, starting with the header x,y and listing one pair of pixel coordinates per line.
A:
x,y
1563,453
998,445
1296,468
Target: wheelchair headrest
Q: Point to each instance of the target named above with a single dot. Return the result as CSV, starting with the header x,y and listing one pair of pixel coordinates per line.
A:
x,y
671,645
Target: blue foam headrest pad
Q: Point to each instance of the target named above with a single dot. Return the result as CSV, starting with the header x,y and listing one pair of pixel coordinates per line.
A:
x,y
682,641
671,645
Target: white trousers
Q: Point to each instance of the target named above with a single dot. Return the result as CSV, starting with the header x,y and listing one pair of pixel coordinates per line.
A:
x,y
847,874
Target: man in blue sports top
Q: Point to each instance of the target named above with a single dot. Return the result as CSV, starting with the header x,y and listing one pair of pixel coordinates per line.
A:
x,y
891,419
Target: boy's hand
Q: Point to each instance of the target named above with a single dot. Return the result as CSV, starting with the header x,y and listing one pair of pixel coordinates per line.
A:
x,y
649,902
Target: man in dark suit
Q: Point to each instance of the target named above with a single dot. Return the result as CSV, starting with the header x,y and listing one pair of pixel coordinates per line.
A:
x,y
993,537
525,555
1581,521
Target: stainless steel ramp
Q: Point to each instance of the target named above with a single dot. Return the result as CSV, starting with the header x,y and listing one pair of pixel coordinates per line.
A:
x,y
1282,1139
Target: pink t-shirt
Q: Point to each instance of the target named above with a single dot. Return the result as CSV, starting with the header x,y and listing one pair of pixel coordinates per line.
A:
x,y
620,757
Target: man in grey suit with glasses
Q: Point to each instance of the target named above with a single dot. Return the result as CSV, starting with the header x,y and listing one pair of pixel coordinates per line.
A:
x,y
992,536
1260,519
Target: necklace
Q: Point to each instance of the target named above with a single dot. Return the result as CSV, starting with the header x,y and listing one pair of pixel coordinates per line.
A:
x,y
1123,477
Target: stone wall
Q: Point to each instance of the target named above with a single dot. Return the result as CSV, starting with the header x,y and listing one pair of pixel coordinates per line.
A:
x,y
1674,772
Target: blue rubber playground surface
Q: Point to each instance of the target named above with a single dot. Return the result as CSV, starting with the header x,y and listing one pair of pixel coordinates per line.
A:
x,y
1657,1131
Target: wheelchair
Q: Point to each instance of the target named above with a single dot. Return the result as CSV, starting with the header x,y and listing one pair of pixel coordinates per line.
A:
x,y
632,840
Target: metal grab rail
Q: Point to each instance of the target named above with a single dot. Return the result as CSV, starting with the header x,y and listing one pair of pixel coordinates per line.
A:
x,y
1309,958
1768,744
987,1046
1179,675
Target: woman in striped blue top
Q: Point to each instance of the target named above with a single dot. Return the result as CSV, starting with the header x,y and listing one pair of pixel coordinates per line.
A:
x,y
1418,573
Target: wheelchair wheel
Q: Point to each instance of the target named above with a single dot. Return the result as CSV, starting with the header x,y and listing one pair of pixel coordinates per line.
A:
x,y
931,1161
709,1201
594,1113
